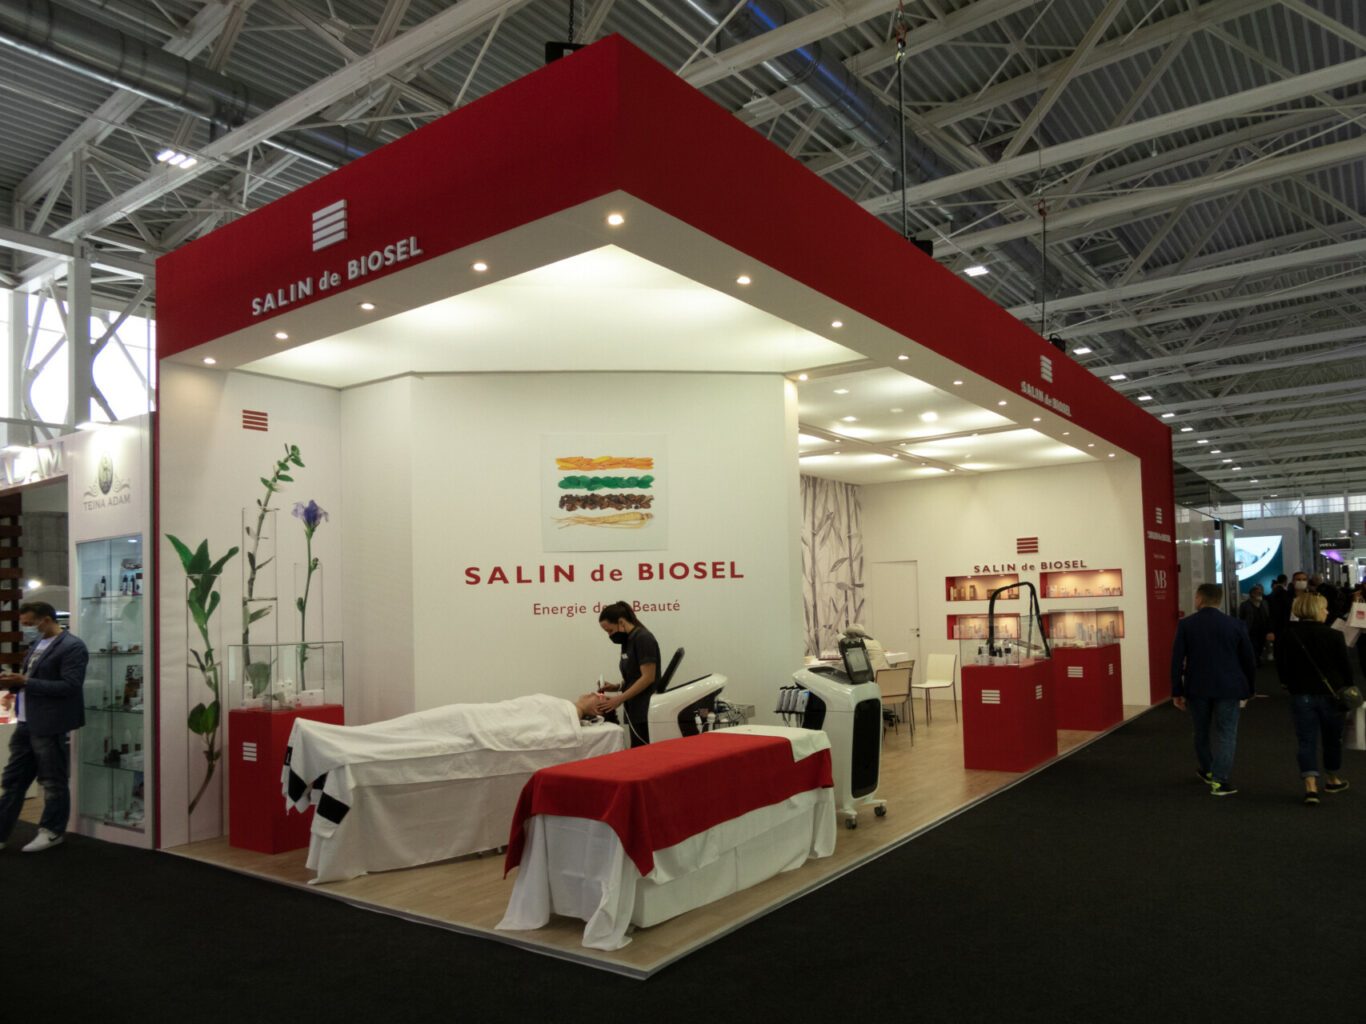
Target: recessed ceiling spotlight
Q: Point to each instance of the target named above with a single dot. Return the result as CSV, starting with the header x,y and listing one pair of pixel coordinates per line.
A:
x,y
837,324
1145,398
367,306
210,361
841,391
1065,433
1110,456
281,336
801,376
850,419
743,279
1001,402
1119,376
1168,415
977,271
1083,351
958,383
835,452
1038,419
897,409
616,220
903,357
1090,444
929,417
479,266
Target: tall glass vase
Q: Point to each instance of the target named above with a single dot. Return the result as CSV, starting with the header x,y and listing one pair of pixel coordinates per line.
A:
x,y
204,679
260,599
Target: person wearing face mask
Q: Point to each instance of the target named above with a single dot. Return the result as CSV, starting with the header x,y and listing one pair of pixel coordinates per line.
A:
x,y
639,665
1280,601
1257,618
49,702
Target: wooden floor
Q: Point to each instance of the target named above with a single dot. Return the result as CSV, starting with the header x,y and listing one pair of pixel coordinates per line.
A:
x,y
924,784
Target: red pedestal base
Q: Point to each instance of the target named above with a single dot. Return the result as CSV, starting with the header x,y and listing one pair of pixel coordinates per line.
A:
x,y
257,818
1008,716
1089,687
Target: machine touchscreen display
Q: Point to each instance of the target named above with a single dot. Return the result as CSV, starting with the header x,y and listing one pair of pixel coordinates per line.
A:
x,y
856,664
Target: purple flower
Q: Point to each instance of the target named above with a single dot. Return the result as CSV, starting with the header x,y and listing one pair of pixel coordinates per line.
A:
x,y
312,514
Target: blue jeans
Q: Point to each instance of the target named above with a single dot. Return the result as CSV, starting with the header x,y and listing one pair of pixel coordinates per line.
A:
x,y
47,759
1222,714
1315,717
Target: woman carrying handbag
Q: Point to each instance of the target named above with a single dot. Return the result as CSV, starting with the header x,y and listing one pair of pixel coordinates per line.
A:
x,y
1311,660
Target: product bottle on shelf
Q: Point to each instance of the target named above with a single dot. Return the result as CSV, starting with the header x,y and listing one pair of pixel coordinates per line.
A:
x,y
104,587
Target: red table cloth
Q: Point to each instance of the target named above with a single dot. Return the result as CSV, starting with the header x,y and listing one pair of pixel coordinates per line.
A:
x,y
658,795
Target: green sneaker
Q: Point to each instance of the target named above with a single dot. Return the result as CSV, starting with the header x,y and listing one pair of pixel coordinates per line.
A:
x,y
1205,777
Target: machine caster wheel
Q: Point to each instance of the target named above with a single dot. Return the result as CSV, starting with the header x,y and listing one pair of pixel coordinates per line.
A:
x,y
851,823
880,811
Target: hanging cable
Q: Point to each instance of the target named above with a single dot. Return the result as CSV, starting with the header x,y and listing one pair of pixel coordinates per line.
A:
x,y
1043,270
572,5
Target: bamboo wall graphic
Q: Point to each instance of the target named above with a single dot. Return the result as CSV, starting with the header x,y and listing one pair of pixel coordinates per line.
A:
x,y
832,560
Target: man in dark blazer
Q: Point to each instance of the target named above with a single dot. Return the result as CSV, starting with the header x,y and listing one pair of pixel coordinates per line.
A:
x,y
48,693
1213,669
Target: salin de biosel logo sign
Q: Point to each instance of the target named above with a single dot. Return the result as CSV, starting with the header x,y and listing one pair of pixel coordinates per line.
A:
x,y
109,489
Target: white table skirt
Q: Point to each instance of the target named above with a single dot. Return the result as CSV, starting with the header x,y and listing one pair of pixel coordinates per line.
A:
x,y
577,867
403,825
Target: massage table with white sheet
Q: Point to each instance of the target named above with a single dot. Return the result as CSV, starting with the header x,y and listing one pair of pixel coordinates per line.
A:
x,y
638,837
427,786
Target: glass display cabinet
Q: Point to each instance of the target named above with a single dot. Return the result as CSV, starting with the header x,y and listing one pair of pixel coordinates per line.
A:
x,y
109,618
1091,627
1008,716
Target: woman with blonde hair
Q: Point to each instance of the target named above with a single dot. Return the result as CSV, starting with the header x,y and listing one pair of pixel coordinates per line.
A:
x,y
1310,657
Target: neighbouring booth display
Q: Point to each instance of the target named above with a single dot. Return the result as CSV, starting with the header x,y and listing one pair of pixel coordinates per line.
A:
x,y
846,705
1008,694
1086,667
426,786
640,836
109,619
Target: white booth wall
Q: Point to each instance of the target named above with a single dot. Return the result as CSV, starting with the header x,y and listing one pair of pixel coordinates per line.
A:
x,y
947,526
468,445
427,476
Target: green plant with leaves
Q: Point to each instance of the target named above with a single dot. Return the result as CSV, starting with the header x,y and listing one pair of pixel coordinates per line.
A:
x,y
258,672
202,598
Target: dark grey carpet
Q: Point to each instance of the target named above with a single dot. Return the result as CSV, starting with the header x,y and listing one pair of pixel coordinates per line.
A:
x,y
1109,887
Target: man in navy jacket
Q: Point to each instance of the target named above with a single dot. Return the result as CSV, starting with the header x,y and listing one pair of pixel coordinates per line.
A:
x,y
1213,670
50,701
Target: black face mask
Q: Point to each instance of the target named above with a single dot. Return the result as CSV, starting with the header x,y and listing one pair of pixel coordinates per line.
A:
x,y
619,637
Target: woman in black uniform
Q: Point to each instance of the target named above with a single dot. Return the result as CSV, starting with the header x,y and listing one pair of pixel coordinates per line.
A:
x,y
639,668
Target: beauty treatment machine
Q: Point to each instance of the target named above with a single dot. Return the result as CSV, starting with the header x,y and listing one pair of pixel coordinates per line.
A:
x,y
846,705
688,708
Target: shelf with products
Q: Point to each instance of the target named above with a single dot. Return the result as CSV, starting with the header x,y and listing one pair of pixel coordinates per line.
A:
x,y
1084,627
974,627
976,588
110,622
1085,583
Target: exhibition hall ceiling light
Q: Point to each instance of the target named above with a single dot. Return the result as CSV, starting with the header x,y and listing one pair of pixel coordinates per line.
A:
x,y
1119,376
1216,451
1202,441
1083,351
977,271
175,158
1187,430
1168,415
841,391
1145,398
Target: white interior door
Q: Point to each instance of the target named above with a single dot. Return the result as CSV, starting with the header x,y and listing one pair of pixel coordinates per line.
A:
x,y
892,611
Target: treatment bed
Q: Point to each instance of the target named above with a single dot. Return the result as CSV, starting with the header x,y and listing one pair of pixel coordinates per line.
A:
x,y
639,837
427,786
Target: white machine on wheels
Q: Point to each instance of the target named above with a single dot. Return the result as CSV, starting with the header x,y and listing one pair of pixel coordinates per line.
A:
x,y
687,709
847,706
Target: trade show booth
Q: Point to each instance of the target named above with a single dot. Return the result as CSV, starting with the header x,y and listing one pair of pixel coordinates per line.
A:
x,y
441,406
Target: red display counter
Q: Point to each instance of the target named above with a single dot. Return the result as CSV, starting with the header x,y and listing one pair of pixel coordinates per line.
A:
x,y
1008,716
257,818
1090,694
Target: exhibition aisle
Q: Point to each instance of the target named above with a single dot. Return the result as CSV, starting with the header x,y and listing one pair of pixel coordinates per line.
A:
x,y
1082,894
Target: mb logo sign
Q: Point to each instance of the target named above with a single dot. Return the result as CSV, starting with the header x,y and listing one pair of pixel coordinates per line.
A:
x,y
1159,579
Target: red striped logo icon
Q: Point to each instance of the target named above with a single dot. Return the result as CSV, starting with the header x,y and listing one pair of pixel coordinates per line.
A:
x,y
253,420
1027,545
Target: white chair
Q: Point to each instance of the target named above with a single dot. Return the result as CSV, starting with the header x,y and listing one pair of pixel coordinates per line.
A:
x,y
938,674
895,685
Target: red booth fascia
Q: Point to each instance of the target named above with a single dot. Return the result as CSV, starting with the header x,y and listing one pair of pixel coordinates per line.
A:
x,y
610,119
